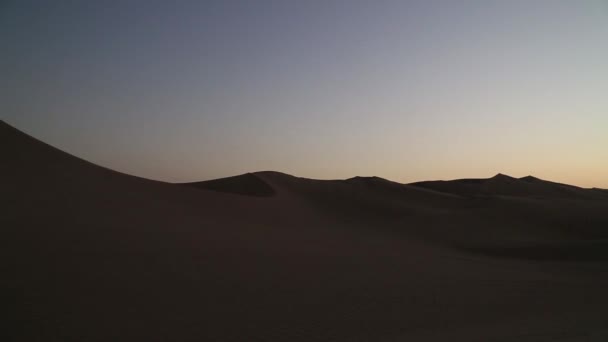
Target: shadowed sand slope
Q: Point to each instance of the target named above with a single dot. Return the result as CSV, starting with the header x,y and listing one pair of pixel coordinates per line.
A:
x,y
247,184
89,254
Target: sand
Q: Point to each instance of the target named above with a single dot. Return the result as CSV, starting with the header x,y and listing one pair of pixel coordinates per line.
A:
x,y
90,254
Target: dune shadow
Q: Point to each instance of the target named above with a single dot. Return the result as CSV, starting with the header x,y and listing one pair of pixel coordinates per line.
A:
x,y
247,184
580,251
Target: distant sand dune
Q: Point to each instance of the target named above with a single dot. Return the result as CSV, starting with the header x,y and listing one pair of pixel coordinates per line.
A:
x,y
502,185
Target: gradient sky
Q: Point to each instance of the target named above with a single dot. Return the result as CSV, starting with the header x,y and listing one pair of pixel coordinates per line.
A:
x,y
405,90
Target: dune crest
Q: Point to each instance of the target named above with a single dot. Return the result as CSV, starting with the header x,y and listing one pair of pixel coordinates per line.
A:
x,y
503,185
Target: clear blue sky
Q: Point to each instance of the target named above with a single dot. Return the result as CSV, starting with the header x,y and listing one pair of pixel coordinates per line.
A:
x,y
406,90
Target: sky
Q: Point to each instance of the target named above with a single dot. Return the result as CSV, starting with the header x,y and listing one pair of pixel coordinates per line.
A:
x,y
405,90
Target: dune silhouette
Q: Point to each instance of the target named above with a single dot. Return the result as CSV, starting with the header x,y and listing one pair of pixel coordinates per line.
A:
x,y
92,254
247,184
503,185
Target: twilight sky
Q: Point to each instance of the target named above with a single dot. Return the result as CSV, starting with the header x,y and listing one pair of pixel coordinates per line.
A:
x,y
405,90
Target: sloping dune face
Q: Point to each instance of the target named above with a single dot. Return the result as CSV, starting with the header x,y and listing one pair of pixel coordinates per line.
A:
x,y
89,254
247,184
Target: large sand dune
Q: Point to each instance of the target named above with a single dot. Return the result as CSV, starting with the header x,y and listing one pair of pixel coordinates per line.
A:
x,y
90,254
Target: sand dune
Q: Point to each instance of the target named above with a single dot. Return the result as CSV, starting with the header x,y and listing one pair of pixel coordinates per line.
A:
x,y
247,184
90,254
503,185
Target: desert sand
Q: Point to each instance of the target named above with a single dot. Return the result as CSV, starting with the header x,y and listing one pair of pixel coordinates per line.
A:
x,y
90,254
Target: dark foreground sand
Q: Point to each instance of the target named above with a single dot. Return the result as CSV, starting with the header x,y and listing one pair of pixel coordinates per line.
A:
x,y
89,254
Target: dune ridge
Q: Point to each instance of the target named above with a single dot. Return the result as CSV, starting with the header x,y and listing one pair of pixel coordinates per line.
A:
x,y
503,185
